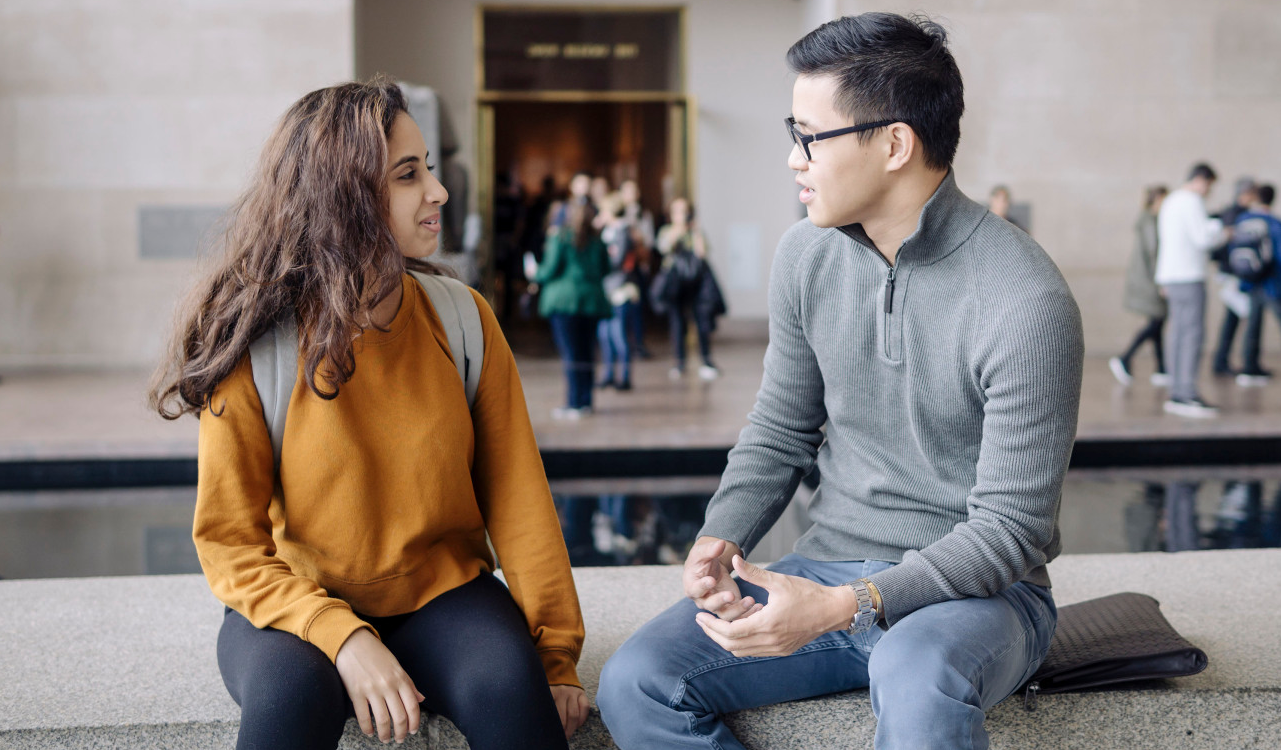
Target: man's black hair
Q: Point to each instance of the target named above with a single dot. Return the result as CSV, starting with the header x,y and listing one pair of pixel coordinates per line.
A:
x,y
888,67
1202,170
1267,193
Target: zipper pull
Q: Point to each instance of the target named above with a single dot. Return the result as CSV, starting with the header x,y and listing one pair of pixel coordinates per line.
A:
x,y
1029,696
889,292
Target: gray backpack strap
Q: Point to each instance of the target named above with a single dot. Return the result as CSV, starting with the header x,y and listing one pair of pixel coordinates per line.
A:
x,y
460,317
274,358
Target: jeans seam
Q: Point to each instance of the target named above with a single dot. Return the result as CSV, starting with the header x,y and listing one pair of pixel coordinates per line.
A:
x,y
684,680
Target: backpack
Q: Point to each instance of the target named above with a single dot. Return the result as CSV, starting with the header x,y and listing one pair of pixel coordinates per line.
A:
x,y
274,355
1249,254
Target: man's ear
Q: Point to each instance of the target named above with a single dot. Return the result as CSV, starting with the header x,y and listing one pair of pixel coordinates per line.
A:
x,y
902,146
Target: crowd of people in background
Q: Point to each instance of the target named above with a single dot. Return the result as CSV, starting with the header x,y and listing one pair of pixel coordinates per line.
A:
x,y
596,268
1178,242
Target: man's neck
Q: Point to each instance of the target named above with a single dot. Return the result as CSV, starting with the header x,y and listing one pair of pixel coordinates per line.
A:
x,y
901,212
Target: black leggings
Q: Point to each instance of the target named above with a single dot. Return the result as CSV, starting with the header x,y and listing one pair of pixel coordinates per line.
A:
x,y
677,320
468,650
1150,332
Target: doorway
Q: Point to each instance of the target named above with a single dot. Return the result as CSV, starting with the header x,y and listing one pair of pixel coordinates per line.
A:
x,y
534,148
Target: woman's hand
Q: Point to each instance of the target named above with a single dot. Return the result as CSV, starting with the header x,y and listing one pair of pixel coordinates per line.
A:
x,y
571,704
377,685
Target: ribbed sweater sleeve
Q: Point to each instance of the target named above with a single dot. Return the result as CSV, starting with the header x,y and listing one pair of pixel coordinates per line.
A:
x,y
513,495
233,531
784,429
1029,368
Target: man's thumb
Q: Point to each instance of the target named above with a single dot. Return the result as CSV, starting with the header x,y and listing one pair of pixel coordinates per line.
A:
x,y
751,573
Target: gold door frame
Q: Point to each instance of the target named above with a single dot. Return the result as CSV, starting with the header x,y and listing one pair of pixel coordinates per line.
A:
x,y
682,113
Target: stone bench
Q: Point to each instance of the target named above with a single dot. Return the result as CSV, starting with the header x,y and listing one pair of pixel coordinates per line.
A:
x,y
130,662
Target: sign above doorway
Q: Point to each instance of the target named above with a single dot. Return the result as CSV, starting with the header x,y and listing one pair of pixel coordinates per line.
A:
x,y
573,49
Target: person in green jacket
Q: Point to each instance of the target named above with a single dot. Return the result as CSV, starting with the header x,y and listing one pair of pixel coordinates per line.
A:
x,y
1142,294
572,299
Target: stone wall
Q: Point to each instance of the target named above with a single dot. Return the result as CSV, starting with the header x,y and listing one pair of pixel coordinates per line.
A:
x,y
113,106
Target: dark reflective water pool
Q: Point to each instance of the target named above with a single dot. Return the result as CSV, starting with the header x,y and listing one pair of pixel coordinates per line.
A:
x,y
651,521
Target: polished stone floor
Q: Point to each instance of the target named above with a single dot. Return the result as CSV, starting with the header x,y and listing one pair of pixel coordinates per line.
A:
x,y
103,414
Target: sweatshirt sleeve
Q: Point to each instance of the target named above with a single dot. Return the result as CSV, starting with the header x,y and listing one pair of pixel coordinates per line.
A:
x,y
1031,379
1203,231
511,489
784,430
232,526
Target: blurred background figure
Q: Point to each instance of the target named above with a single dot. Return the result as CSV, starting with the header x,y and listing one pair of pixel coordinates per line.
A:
x,y
1186,235
622,289
509,231
572,298
638,223
1235,303
1000,202
687,288
1181,531
1141,292
1252,262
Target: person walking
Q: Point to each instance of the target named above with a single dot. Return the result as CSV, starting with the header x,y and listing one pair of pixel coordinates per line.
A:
x,y
1142,294
639,225
1236,304
1255,244
572,299
352,556
622,288
1186,235
687,291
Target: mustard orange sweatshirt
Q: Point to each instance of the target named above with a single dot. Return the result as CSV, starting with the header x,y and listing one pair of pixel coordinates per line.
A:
x,y
386,494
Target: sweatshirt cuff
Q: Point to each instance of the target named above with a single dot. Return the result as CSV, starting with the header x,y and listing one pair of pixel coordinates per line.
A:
x,y
904,589
331,627
560,667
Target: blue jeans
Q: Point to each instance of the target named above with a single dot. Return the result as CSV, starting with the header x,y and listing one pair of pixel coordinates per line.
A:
x,y
614,346
575,338
931,676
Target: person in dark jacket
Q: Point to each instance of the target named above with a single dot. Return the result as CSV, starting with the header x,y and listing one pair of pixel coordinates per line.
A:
x,y
689,290
1245,195
1142,294
573,300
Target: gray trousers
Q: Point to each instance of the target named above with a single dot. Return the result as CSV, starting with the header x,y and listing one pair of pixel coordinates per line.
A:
x,y
1185,334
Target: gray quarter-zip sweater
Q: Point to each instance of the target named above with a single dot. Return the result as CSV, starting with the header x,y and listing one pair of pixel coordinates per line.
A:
x,y
949,385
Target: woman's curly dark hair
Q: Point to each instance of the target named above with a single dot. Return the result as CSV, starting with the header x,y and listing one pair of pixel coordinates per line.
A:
x,y
309,236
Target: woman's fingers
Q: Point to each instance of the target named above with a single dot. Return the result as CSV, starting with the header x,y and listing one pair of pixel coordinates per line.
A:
x,y
410,696
362,714
562,708
580,715
399,717
378,707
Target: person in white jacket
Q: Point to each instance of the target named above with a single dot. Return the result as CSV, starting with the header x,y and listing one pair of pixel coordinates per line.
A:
x,y
1186,234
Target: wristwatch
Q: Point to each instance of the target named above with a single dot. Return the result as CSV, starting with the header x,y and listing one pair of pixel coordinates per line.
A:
x,y
866,616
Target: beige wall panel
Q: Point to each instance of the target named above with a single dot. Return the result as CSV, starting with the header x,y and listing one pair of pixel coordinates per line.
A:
x,y
8,142
107,106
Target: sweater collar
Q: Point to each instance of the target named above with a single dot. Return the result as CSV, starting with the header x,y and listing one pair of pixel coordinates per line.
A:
x,y
947,219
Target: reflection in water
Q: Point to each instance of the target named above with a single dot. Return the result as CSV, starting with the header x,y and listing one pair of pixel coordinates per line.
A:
x,y
646,522
1165,518
621,529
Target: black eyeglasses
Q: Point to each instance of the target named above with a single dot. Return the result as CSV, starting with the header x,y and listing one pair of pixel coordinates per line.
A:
x,y
804,141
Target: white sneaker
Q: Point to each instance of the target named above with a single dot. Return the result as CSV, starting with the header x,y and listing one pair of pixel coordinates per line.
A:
x,y
707,372
1120,371
1251,380
566,414
1161,379
1192,407
675,373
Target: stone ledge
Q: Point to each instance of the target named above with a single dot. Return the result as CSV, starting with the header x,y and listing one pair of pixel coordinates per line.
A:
x,y
106,662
